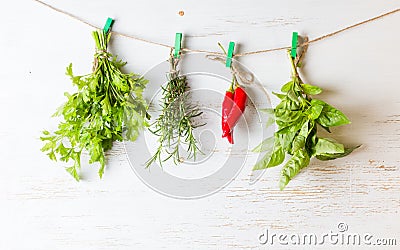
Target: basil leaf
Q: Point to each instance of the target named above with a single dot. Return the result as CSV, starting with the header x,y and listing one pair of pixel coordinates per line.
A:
x,y
298,143
285,115
270,121
286,140
327,157
328,146
277,157
287,104
280,96
311,140
288,86
271,159
293,97
304,129
310,89
293,166
315,110
265,145
263,163
271,118
330,116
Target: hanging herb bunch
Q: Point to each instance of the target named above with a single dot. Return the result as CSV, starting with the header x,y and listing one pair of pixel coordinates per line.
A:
x,y
298,117
107,107
175,125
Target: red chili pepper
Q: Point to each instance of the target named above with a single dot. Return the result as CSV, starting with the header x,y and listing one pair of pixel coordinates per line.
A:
x,y
226,109
238,107
230,137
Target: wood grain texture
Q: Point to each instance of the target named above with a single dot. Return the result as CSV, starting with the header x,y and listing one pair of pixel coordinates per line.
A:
x,y
41,207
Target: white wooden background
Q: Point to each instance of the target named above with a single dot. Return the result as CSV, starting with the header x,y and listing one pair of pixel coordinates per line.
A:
x,y
42,207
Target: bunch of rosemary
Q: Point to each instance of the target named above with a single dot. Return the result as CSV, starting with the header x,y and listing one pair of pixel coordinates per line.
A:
x,y
107,107
175,124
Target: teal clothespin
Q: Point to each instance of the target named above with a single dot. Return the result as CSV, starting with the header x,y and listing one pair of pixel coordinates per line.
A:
x,y
293,51
230,54
178,44
108,25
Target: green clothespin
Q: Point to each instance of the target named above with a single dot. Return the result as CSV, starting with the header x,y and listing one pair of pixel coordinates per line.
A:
x,y
108,25
293,51
178,44
230,54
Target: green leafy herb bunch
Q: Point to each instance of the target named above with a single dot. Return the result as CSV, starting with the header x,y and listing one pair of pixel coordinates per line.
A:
x,y
108,106
298,116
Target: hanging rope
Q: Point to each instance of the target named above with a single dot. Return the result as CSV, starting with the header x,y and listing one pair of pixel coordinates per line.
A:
x,y
218,53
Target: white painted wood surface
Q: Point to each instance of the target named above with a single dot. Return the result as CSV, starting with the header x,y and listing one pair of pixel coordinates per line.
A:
x,y
42,207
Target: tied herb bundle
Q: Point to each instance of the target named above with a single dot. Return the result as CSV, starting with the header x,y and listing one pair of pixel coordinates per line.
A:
x,y
297,117
107,107
175,124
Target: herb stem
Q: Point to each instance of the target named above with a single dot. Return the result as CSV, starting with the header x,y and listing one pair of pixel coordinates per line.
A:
x,y
295,74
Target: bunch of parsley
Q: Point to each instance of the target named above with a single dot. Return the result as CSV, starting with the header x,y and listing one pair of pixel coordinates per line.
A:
x,y
107,107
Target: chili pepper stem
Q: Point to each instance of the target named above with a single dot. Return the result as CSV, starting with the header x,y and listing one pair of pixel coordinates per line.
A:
x,y
222,47
232,87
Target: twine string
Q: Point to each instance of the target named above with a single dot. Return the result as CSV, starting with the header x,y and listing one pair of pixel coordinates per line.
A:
x,y
245,77
323,37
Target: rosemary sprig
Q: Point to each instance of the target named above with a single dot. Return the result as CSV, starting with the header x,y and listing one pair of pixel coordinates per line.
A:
x,y
175,125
